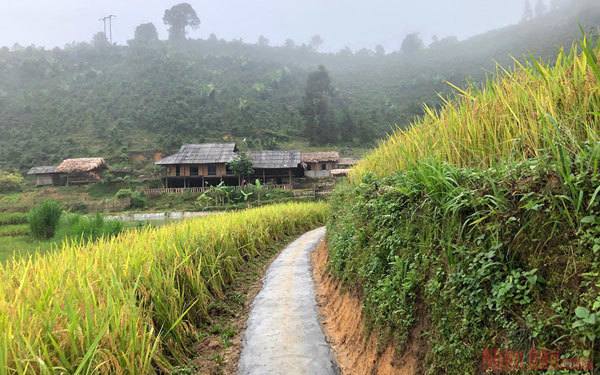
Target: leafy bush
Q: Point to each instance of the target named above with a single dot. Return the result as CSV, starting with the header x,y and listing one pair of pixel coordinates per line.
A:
x,y
89,229
44,219
10,181
124,193
138,199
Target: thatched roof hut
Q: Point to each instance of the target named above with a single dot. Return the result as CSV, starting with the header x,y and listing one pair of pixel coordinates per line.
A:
x,y
320,157
81,165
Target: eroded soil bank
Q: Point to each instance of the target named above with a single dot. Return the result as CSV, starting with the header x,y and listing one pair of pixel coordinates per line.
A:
x,y
342,320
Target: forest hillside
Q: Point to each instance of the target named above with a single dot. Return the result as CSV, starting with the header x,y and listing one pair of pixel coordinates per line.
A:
x,y
97,99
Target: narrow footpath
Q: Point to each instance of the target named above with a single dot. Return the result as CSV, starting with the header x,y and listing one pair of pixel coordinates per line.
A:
x,y
283,334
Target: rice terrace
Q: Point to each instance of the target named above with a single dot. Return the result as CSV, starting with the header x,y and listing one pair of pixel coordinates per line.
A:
x,y
327,188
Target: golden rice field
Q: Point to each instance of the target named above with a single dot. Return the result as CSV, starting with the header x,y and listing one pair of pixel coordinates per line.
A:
x,y
516,116
131,304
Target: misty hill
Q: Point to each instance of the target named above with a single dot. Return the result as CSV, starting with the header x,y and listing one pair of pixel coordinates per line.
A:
x,y
101,100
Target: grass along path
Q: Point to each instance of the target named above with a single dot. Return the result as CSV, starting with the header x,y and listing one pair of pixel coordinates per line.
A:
x,y
134,303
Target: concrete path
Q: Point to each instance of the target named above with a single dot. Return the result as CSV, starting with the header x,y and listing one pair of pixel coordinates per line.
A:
x,y
283,335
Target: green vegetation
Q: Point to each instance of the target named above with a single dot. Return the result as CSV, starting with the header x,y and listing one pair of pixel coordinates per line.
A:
x,y
61,103
134,302
481,222
14,230
44,220
77,227
10,181
13,218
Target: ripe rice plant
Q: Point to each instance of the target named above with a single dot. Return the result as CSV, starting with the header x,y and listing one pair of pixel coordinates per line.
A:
x,y
516,116
131,304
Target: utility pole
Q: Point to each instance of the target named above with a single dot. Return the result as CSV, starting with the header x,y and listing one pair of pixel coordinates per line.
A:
x,y
110,26
109,18
103,19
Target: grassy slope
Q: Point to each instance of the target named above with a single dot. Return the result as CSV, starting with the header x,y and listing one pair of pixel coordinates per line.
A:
x,y
481,222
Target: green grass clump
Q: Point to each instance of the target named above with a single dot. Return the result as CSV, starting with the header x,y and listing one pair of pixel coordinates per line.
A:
x,y
131,303
14,230
44,219
516,116
76,226
13,218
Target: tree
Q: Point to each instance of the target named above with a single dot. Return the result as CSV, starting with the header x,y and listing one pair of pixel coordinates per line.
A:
x,y
345,52
412,45
146,32
540,8
315,42
289,43
527,12
319,124
262,41
99,40
213,38
178,18
242,165
379,50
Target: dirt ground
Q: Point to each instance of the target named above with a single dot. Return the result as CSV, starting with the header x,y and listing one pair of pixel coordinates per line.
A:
x,y
342,321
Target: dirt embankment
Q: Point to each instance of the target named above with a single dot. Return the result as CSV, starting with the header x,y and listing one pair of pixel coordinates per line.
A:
x,y
342,321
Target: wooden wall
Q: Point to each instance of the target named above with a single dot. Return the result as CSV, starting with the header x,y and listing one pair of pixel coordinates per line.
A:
x,y
184,170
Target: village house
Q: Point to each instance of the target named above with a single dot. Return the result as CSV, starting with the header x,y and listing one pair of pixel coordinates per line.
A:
x,y
319,164
200,165
276,167
45,176
69,172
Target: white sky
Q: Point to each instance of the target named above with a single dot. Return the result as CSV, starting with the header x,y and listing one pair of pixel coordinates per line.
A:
x,y
353,23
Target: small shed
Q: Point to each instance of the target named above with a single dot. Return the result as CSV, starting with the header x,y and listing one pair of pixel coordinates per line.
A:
x,y
44,176
82,171
318,164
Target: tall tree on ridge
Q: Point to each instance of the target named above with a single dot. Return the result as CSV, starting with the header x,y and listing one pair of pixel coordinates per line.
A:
x,y
146,32
316,106
178,18
412,44
316,42
262,41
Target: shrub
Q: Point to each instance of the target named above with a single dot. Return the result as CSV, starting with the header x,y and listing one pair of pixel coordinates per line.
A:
x,y
123,194
138,199
10,181
44,219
